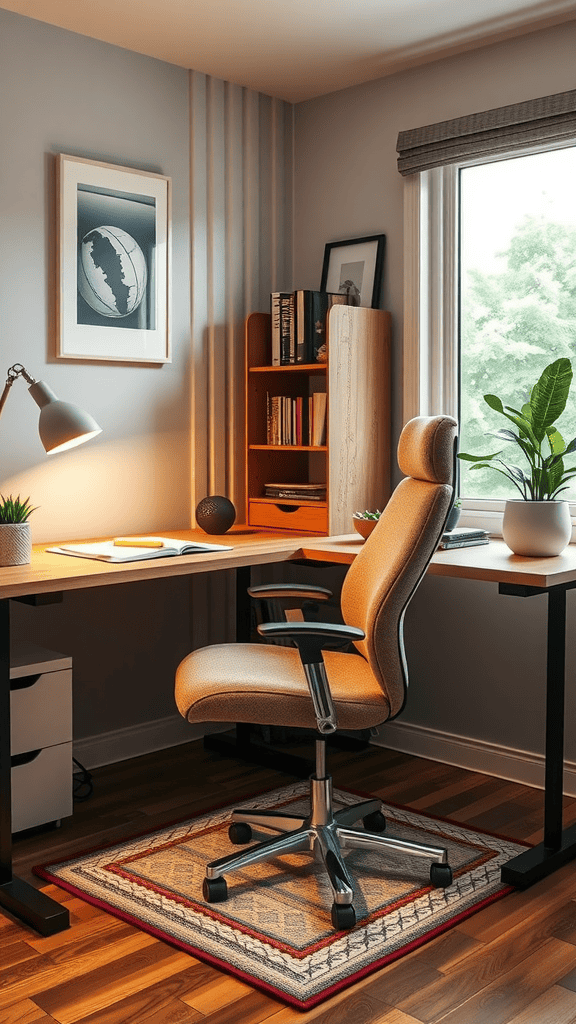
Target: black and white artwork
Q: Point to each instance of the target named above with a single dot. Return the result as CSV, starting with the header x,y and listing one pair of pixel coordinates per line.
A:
x,y
113,262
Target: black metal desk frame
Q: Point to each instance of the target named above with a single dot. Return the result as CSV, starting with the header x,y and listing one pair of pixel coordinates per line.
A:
x,y
559,845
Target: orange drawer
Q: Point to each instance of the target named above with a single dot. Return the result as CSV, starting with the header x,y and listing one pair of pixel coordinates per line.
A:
x,y
288,517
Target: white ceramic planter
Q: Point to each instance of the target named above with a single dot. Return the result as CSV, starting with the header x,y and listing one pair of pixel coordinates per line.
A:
x,y
537,528
15,544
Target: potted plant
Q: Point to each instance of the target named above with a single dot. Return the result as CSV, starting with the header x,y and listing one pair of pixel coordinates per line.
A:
x,y
364,522
15,538
537,523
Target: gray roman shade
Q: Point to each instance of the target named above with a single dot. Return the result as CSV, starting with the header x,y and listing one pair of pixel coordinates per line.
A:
x,y
550,119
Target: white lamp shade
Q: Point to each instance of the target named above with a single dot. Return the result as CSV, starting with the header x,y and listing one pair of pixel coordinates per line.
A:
x,y
61,425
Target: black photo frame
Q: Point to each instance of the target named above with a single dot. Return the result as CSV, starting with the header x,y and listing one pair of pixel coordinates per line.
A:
x,y
355,266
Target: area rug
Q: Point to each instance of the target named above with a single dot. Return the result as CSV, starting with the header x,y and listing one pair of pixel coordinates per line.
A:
x,y
274,930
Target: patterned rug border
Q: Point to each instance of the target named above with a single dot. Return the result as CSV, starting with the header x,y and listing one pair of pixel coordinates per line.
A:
x,y
43,871
258,983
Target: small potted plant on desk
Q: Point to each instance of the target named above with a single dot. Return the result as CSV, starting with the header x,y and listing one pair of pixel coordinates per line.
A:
x,y
537,523
15,537
364,522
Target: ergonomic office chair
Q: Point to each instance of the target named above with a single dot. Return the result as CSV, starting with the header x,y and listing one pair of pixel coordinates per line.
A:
x,y
313,686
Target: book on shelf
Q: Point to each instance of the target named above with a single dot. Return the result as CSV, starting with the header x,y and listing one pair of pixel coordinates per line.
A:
x,y
134,549
282,328
462,537
317,419
310,315
296,492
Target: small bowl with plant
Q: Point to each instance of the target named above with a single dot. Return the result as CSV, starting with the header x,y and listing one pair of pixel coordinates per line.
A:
x,y
15,536
364,522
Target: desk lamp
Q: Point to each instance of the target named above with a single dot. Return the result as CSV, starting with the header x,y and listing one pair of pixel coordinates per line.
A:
x,y
61,425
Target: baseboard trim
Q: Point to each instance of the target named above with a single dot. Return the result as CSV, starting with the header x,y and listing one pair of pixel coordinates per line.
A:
x,y
475,755
507,763
135,740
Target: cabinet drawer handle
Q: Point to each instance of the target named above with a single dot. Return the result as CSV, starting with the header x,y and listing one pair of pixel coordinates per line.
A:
x,y
17,759
25,682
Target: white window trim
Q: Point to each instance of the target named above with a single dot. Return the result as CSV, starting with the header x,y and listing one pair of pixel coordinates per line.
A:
x,y
430,351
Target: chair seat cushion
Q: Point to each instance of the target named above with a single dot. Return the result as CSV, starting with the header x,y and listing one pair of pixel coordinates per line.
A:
x,y
266,685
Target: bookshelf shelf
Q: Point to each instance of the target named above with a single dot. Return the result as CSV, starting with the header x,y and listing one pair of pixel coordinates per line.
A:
x,y
354,463
290,368
288,447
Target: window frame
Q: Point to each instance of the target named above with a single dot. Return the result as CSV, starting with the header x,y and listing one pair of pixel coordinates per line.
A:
x,y
431,304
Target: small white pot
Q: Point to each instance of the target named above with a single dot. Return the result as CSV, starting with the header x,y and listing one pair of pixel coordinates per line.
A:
x,y
536,528
15,544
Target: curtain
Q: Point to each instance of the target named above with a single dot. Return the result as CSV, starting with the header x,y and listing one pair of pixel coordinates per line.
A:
x,y
550,119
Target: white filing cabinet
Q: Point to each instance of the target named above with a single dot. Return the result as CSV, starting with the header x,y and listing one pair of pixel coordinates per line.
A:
x,y
41,735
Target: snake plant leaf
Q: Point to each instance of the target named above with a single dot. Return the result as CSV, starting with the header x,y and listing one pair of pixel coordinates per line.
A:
x,y
494,402
549,396
477,458
503,434
556,441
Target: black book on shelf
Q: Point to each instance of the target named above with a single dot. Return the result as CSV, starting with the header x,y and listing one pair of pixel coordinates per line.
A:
x,y
282,317
311,310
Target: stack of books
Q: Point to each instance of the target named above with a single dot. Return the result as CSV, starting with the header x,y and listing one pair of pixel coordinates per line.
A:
x,y
299,325
463,537
295,492
296,421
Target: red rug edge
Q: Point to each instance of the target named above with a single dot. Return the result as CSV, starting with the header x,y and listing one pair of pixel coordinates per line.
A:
x,y
302,1005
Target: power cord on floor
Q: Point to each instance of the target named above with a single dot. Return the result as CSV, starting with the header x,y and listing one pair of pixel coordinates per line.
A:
x,y
83,786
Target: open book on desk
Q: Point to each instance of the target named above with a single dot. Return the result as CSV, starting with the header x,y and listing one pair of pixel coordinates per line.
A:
x,y
132,549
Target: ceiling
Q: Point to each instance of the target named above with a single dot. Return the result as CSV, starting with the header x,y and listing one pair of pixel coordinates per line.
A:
x,y
297,49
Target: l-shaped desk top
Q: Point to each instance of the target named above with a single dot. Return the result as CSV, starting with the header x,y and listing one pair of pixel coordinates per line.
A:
x,y
49,572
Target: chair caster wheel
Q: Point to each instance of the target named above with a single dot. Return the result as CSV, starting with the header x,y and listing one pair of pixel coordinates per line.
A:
x,y
441,875
343,916
239,833
375,822
214,890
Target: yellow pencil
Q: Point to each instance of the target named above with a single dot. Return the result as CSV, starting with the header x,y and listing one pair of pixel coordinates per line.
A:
x,y
137,542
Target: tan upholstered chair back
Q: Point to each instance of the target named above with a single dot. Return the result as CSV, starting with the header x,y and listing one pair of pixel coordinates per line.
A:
x,y
382,579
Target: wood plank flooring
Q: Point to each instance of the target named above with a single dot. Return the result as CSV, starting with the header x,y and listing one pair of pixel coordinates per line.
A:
x,y
512,963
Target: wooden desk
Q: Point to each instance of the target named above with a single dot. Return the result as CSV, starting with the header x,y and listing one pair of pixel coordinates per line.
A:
x,y
520,577
50,573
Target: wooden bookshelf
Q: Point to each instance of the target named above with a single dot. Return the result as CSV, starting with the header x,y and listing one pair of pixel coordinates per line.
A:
x,y
354,463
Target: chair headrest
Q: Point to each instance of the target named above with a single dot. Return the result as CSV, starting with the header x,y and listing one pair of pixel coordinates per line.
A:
x,y
426,448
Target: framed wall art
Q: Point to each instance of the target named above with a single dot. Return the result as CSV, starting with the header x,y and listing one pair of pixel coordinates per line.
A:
x,y
113,262
356,267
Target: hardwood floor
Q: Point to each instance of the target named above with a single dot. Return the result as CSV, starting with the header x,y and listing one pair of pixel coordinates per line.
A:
x,y
512,963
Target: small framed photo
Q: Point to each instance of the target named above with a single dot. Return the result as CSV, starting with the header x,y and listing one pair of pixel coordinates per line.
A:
x,y
113,262
356,268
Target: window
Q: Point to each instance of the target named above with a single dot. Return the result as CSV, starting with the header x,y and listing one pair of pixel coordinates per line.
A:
x,y
517,286
490,260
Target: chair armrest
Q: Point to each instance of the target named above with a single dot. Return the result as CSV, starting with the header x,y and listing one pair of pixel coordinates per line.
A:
x,y
310,638
300,591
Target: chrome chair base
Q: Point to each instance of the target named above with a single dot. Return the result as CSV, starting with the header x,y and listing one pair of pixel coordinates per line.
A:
x,y
325,833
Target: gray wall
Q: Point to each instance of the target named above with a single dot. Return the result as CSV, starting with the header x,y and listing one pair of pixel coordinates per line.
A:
x,y
476,659
171,433
66,93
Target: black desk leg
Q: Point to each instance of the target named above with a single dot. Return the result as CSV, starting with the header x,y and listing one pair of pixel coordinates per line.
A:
x,y
17,896
559,846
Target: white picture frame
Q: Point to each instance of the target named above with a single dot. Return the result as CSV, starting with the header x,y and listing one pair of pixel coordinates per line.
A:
x,y
113,301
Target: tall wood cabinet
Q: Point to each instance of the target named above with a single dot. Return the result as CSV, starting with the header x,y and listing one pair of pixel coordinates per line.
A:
x,y
354,462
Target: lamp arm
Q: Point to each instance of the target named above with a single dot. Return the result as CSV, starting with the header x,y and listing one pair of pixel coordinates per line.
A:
x,y
13,373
